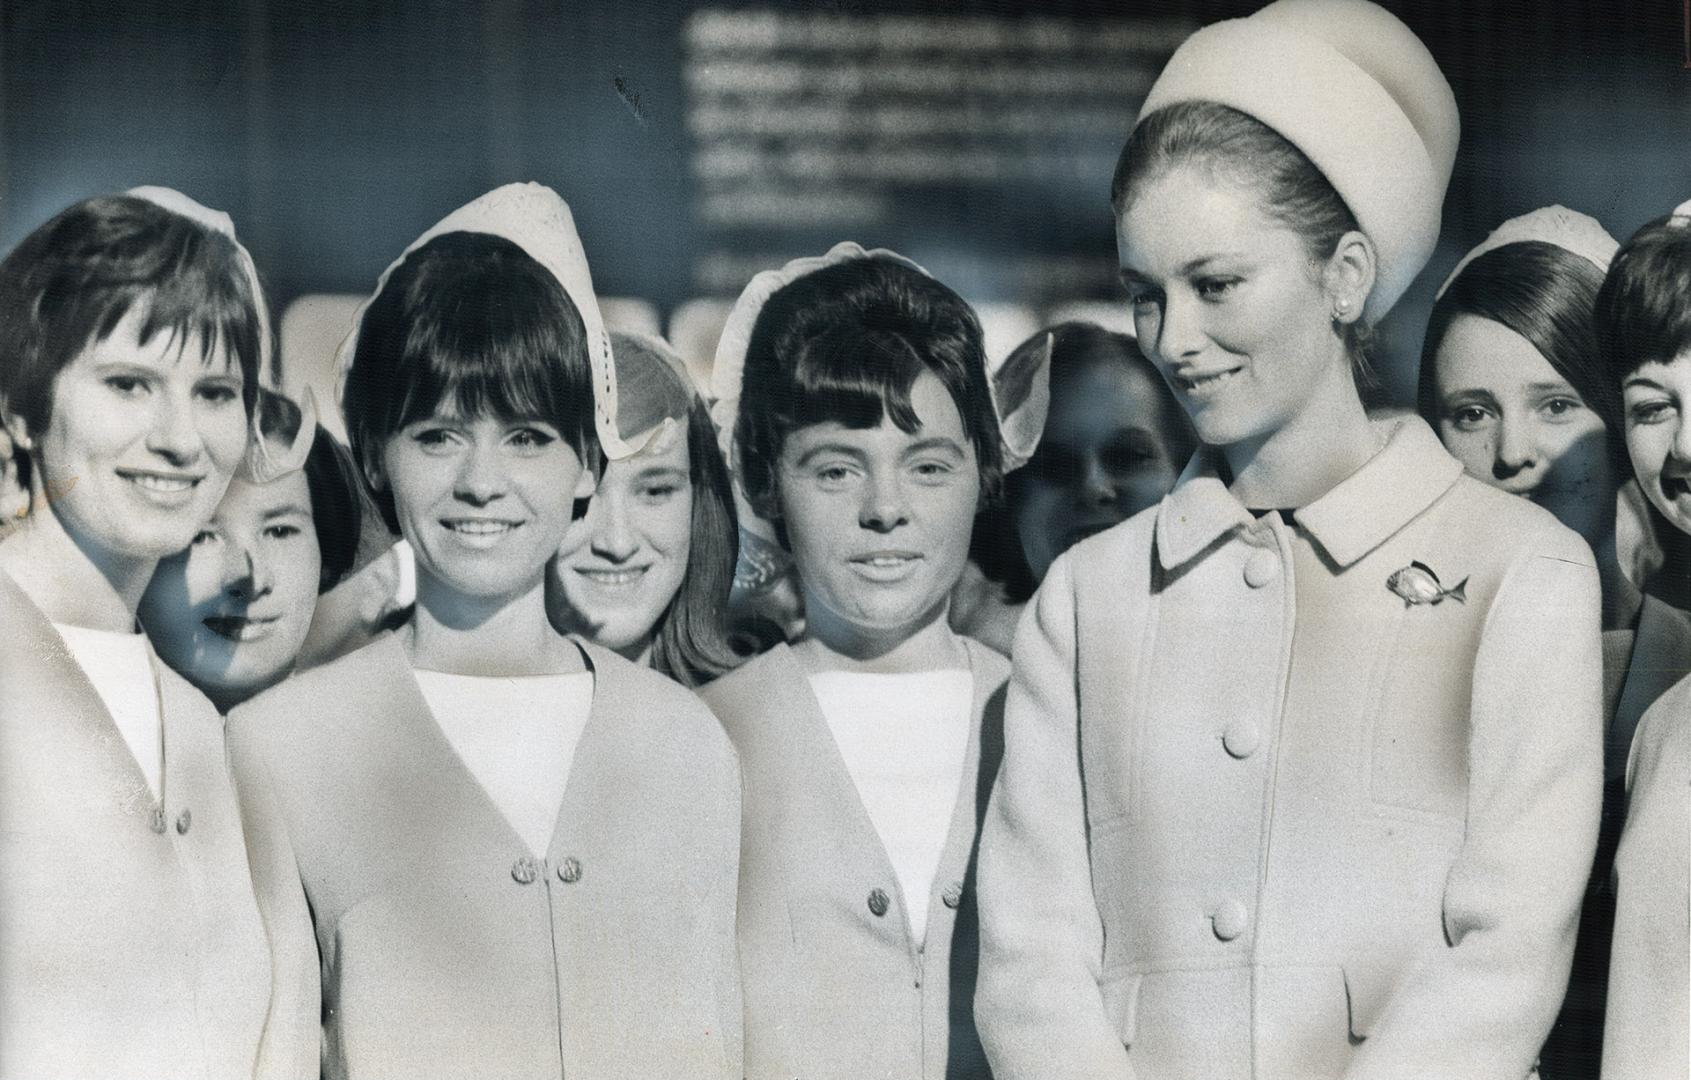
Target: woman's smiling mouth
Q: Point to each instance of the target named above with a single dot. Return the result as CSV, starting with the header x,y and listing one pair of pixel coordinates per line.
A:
x,y
241,627
161,486
612,576
1198,382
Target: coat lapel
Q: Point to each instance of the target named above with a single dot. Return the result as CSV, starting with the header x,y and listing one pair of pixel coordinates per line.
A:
x,y
980,766
411,722
42,679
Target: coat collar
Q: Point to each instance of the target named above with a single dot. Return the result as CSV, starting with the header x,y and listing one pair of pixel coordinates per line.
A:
x,y
1408,474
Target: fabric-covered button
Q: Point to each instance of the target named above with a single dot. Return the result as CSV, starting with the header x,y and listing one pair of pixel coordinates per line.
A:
x,y
1229,919
157,821
953,895
878,902
1241,738
1261,568
183,820
525,870
569,871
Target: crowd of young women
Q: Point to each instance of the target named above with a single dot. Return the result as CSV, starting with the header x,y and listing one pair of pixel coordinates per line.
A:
x,y
1327,745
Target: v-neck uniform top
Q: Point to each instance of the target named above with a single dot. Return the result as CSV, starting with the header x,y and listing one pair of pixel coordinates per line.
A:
x,y
139,936
1261,815
903,737
448,949
517,736
838,983
120,668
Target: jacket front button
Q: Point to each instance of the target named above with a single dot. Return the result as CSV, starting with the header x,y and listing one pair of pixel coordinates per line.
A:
x,y
524,871
1228,920
183,820
1261,568
157,821
878,902
569,871
953,895
1241,738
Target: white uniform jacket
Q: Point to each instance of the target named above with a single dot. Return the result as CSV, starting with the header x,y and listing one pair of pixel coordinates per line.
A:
x,y
139,938
1261,815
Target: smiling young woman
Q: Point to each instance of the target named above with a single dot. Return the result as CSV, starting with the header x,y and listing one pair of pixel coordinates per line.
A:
x,y
854,389
230,612
495,821
1301,771
1512,380
134,332
1644,326
647,570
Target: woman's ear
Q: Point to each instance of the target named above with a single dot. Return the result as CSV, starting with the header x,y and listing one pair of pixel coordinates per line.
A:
x,y
375,469
14,430
1348,277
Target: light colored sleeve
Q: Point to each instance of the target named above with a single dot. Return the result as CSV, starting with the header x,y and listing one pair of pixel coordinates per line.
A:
x,y
291,1048
1481,1005
1037,1004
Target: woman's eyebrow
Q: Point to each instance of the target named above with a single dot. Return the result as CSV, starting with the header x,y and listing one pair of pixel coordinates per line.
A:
x,y
286,510
935,442
830,448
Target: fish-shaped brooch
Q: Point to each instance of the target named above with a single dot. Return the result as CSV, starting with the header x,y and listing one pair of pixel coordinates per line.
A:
x,y
1418,584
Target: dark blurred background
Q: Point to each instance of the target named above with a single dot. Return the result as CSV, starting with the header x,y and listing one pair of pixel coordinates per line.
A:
x,y
700,142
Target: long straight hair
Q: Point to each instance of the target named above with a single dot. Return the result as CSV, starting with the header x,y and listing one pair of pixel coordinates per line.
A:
x,y
690,643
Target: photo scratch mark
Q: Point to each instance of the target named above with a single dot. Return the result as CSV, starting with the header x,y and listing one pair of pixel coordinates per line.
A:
x,y
631,98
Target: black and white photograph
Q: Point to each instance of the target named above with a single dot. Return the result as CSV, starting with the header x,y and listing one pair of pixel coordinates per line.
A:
x,y
845,540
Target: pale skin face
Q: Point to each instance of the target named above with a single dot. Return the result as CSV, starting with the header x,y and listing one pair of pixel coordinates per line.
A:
x,y
141,442
622,562
1657,401
879,520
1516,424
231,612
1101,459
484,502
1242,324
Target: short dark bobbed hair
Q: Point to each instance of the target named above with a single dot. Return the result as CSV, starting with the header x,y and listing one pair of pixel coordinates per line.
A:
x,y
472,322
337,508
70,282
1241,149
1546,294
331,478
1643,310
846,344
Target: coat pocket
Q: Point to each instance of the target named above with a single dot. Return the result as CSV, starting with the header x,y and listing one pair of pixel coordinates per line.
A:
x,y
1367,990
1418,746
1121,1004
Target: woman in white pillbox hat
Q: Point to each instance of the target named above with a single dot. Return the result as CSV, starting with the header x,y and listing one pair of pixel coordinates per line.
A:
x,y
1302,767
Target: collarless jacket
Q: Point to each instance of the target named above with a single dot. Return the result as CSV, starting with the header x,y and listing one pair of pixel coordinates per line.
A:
x,y
138,938
447,949
1648,1033
836,983
1262,816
